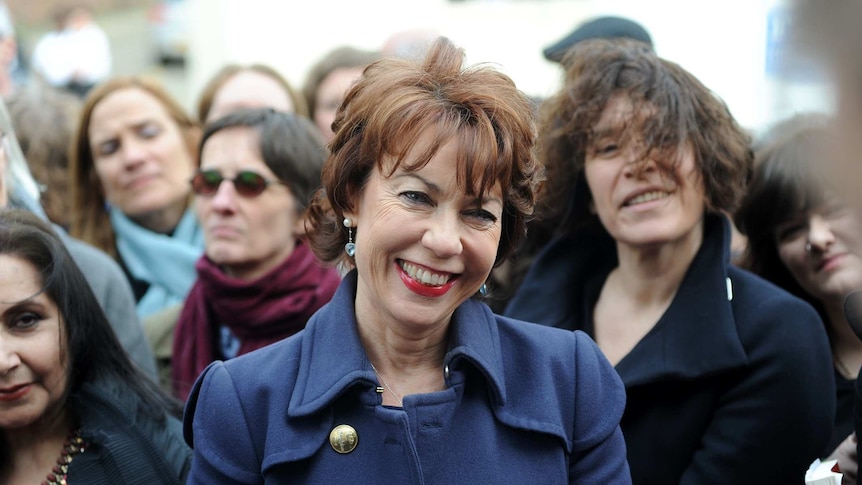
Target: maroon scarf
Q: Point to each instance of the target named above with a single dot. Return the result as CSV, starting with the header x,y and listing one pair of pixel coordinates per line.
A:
x,y
258,313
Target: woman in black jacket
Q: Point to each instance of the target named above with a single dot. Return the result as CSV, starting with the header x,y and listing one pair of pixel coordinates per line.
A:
x,y
808,241
728,379
73,408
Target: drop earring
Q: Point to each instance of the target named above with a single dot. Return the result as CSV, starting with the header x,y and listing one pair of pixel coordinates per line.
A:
x,y
350,247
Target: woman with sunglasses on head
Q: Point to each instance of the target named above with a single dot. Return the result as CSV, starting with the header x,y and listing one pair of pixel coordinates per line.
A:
x,y
258,281
130,162
805,239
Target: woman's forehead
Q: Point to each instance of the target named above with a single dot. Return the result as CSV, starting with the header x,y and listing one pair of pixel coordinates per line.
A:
x,y
469,162
621,112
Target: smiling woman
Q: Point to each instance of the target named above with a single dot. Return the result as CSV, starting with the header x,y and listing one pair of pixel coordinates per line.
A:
x,y
429,184
73,407
723,371
807,240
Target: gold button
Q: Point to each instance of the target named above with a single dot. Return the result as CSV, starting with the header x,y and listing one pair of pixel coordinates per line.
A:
x,y
343,438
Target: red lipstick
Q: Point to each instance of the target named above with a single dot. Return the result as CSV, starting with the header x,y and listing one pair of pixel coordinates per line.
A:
x,y
424,290
14,393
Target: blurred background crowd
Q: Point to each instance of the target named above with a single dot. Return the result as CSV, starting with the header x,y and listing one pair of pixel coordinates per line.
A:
x,y
738,48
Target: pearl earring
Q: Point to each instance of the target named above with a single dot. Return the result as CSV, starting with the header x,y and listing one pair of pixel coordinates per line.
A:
x,y
350,247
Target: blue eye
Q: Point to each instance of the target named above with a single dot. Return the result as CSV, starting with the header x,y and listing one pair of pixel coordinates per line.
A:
x,y
149,130
415,197
483,215
108,147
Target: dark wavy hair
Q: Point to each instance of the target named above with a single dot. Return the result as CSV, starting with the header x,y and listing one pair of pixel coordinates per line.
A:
x,y
289,144
396,100
672,110
93,351
785,184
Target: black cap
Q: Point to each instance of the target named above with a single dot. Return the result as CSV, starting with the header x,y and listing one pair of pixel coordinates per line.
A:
x,y
598,28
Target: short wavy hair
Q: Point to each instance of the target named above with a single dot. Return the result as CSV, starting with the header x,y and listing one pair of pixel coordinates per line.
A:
x,y
395,101
672,110
288,143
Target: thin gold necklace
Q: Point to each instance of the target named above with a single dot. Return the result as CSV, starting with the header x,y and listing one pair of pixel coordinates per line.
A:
x,y
397,397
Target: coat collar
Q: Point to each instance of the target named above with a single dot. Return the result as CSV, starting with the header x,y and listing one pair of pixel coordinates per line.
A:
x,y
333,359
697,334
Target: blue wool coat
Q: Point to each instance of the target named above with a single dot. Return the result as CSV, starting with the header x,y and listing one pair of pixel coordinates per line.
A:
x,y
523,404
733,385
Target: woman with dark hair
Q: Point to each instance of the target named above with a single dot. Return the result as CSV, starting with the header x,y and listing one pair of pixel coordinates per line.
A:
x,y
132,155
19,190
405,377
236,86
803,238
258,281
728,378
72,406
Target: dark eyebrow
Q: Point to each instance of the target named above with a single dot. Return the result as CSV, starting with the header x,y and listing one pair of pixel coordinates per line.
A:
x,y
29,303
436,188
614,130
137,125
431,185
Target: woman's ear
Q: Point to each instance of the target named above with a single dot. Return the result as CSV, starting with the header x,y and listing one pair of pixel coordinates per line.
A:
x,y
192,136
299,225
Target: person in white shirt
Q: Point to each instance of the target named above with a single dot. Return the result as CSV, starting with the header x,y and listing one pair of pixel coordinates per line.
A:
x,y
75,56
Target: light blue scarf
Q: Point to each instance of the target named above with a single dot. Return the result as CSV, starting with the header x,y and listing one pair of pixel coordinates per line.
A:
x,y
167,263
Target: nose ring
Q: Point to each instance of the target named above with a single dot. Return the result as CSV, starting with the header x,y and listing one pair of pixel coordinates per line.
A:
x,y
808,247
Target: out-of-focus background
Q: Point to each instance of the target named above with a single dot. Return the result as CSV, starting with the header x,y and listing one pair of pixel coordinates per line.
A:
x,y
736,47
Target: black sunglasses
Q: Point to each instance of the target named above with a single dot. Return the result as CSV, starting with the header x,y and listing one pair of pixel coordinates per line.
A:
x,y
246,183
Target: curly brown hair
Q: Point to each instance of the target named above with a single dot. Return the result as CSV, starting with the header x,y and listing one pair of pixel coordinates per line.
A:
x,y
672,109
395,101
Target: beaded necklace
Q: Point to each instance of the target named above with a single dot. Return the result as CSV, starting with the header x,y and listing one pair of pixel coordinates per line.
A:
x,y
73,445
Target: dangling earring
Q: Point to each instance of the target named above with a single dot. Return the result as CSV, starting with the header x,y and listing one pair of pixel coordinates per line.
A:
x,y
350,247
483,290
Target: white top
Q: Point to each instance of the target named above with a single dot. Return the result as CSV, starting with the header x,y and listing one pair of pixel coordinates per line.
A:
x,y
82,55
